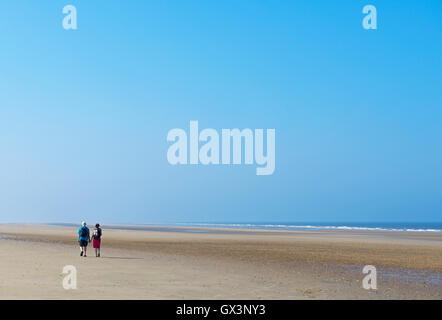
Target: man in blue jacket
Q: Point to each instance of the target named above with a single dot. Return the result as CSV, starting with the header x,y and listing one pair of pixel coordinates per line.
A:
x,y
83,238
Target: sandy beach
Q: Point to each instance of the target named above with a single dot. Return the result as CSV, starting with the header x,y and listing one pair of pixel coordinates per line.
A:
x,y
201,263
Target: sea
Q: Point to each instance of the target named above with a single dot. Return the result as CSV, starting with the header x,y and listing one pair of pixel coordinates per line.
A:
x,y
362,226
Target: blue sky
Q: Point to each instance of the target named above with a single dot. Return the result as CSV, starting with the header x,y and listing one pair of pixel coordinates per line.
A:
x,y
84,114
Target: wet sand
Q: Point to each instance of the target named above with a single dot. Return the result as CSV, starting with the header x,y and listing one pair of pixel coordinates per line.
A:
x,y
200,263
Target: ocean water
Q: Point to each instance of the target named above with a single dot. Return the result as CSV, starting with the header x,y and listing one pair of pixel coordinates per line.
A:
x,y
372,226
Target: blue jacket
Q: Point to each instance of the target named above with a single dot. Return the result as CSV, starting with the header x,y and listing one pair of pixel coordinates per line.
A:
x,y
83,238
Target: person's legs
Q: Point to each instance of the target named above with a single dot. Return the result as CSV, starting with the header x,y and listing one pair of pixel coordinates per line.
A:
x,y
83,247
96,244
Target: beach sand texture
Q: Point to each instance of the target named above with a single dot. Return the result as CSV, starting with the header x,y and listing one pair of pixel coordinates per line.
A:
x,y
199,263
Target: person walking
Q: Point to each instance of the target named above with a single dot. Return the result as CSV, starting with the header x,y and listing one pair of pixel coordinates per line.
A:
x,y
96,239
83,238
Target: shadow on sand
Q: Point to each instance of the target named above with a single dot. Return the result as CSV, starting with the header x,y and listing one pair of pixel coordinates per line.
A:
x,y
124,258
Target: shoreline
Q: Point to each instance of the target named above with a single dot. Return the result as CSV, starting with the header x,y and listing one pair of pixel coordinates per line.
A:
x,y
272,227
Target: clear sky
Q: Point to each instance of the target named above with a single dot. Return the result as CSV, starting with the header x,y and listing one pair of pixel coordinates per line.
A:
x,y
84,114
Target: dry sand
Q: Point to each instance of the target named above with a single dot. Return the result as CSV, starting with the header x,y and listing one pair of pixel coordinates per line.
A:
x,y
197,263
